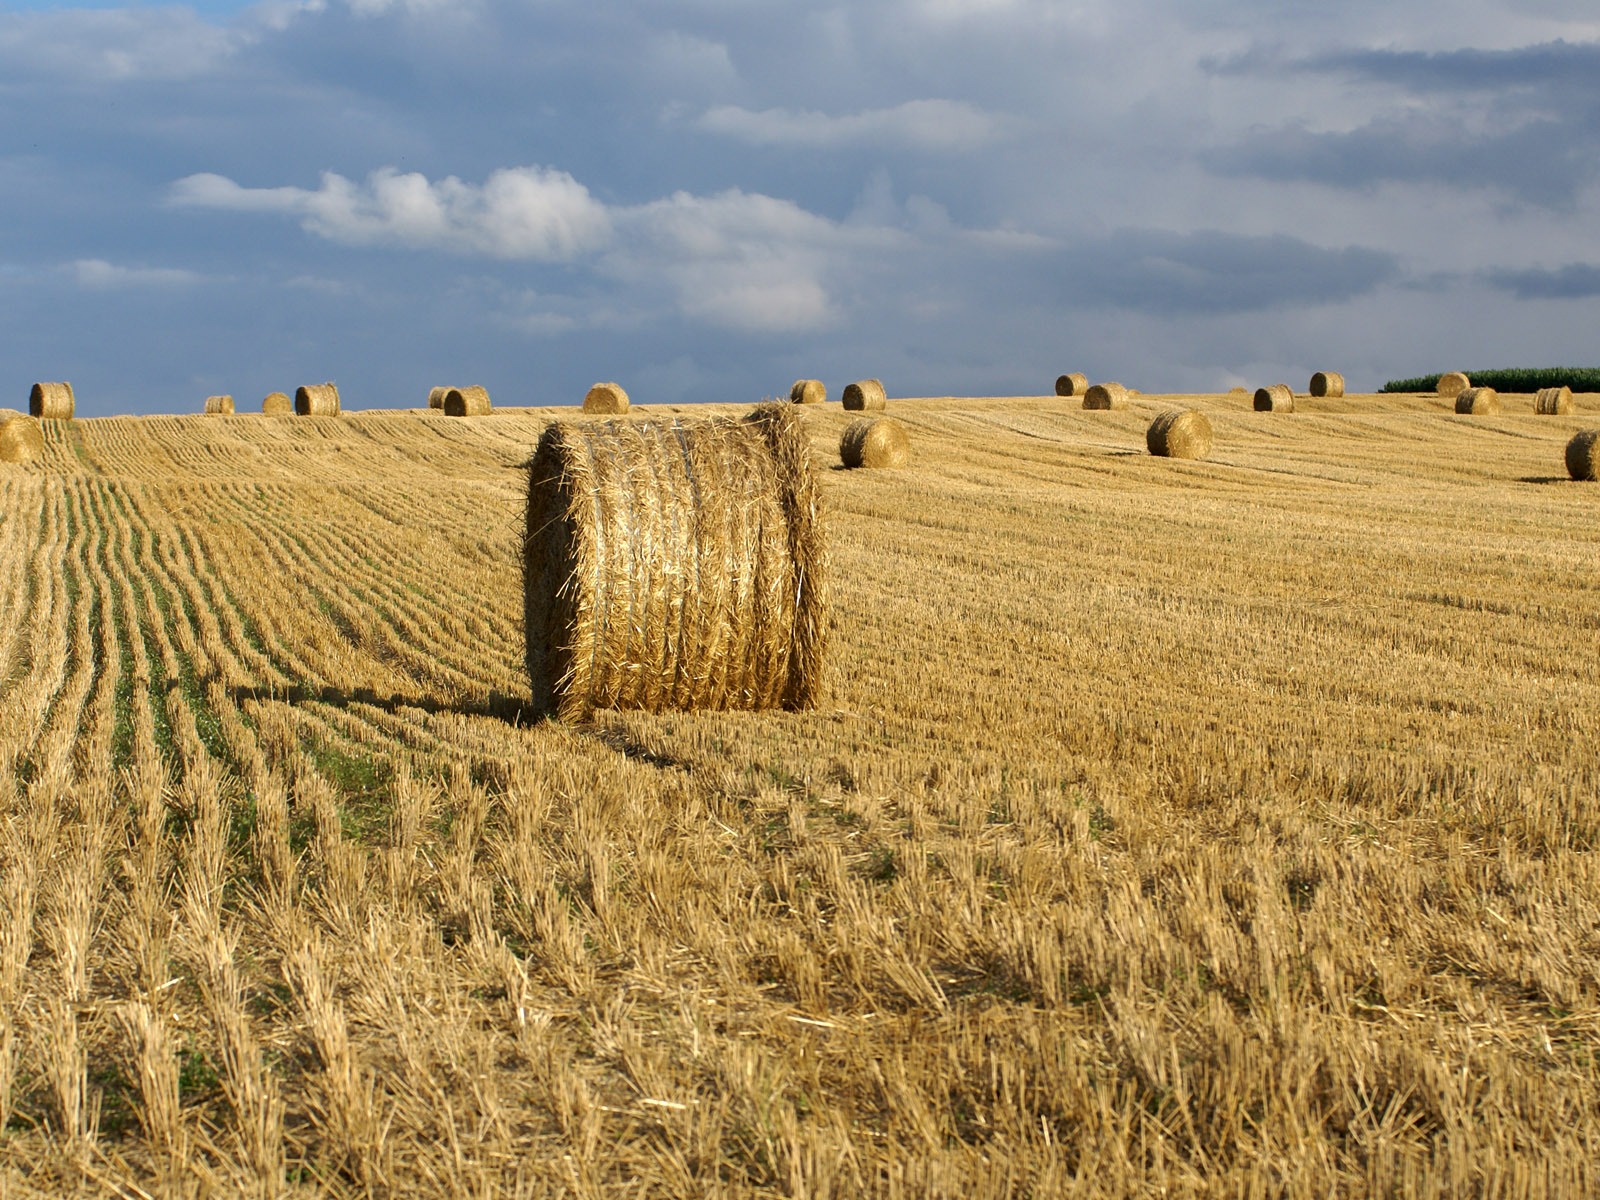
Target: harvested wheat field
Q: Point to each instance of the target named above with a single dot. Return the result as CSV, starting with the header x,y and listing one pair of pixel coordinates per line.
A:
x,y
1183,828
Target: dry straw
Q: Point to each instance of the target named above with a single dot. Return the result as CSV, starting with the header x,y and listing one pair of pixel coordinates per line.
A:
x,y
1180,433
1583,454
1553,402
219,406
1238,389
1479,401
606,398
1072,384
317,400
1452,384
808,391
1327,383
1106,396
51,401
1275,397
21,437
865,394
467,402
436,396
277,404
675,564
875,442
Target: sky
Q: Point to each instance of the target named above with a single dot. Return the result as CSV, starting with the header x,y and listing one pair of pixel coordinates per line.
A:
x,y
704,200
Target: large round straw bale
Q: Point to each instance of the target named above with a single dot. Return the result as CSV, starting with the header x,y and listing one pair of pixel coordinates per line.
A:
x,y
317,400
808,391
467,402
1479,401
1583,454
276,404
1327,383
1275,397
1553,402
1105,395
1072,384
219,405
436,396
865,394
606,398
21,437
1452,384
875,442
51,401
672,564
1180,433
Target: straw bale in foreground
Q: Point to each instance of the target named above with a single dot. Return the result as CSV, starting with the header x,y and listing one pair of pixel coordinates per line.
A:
x,y
219,406
1452,384
675,564
1072,384
1275,397
277,404
1479,401
606,399
317,400
875,442
1583,454
51,401
1553,402
865,394
808,391
21,437
1327,383
467,402
1180,433
1105,396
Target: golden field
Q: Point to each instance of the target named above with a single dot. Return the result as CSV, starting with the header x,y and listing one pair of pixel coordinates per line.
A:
x,y
1169,829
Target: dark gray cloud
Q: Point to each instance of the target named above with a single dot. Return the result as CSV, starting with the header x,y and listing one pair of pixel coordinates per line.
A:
x,y
1576,281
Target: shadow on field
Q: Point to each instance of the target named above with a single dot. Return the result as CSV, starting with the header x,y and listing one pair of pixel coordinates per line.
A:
x,y
1545,479
514,710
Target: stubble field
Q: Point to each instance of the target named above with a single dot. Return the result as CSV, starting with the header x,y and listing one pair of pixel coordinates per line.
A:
x,y
1169,828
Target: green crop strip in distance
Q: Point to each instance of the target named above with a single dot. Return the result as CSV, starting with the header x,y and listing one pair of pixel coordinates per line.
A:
x,y
1510,379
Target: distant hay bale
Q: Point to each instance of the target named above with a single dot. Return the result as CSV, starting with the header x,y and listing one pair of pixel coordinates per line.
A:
x,y
606,398
1105,396
1072,384
436,397
21,437
808,391
1327,383
1275,397
219,406
317,400
467,402
1180,433
1583,454
865,395
1479,401
1452,384
675,564
875,442
1238,389
51,401
1553,402
276,404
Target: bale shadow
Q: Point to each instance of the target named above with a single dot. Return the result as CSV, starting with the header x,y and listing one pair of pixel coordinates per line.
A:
x,y
513,710
1545,479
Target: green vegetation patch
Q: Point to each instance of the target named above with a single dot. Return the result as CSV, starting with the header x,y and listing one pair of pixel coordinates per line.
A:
x,y
1509,379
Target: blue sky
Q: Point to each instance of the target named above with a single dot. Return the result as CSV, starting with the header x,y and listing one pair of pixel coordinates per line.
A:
x,y
705,199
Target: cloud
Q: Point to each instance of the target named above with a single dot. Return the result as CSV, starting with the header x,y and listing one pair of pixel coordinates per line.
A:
x,y
1576,281
944,125
114,45
99,275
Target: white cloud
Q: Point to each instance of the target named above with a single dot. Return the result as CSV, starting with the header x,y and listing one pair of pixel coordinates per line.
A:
x,y
115,45
948,125
100,275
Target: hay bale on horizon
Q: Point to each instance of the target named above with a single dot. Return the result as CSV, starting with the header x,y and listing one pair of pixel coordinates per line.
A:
x,y
1275,397
276,404
1452,384
436,397
1104,396
1179,433
808,391
675,564
467,402
1073,383
875,442
1553,402
1583,454
606,398
21,437
865,395
1328,384
52,401
1479,402
1238,389
317,400
219,406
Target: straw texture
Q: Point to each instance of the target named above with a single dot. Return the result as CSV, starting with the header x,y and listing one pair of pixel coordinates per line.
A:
x,y
606,398
865,395
1072,384
1451,384
1583,454
467,402
21,437
1105,396
1553,402
277,404
1479,401
51,401
436,397
875,442
1180,433
317,400
1275,397
219,406
808,391
1327,383
675,564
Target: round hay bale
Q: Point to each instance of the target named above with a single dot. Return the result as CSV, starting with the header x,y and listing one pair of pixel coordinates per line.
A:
x,y
1238,389
675,564
1179,433
467,402
606,398
1452,384
1275,397
1479,401
808,391
1327,383
875,442
276,404
436,397
1583,454
51,401
317,400
1072,384
1106,396
1553,402
21,437
219,406
864,395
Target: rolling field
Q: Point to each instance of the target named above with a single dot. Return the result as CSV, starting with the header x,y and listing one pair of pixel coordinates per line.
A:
x,y
1169,828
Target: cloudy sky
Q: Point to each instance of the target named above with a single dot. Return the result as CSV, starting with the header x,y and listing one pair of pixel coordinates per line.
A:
x,y
705,199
